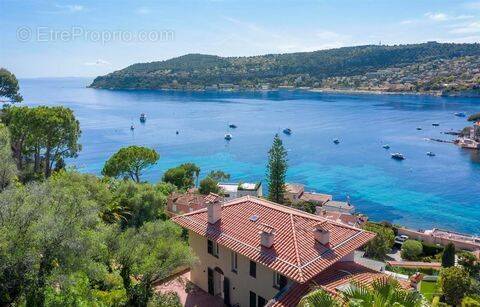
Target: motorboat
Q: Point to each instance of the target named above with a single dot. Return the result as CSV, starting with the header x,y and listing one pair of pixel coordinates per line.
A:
x,y
336,141
435,124
132,127
232,126
228,136
287,131
143,117
419,128
430,154
386,146
398,156
459,114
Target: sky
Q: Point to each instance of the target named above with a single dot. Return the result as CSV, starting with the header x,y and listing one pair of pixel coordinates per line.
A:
x,y
91,38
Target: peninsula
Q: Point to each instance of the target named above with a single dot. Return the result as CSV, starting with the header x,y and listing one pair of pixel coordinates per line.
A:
x,y
427,68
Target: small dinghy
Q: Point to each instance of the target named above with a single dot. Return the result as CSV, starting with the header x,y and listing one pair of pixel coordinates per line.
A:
x,y
287,131
132,127
398,156
435,124
386,146
419,128
228,136
232,126
430,154
143,117
336,141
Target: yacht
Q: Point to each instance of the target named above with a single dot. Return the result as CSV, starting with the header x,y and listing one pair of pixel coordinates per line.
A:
x,y
143,117
398,156
287,131
228,136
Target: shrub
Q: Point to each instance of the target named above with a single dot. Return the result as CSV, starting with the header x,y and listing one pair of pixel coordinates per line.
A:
x,y
411,250
448,257
454,282
208,185
469,301
381,244
431,249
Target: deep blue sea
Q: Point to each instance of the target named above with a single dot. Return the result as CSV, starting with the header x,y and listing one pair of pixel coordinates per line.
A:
x,y
421,191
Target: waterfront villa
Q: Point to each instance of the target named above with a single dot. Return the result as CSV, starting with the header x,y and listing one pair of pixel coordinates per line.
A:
x,y
295,193
472,138
232,190
179,203
255,253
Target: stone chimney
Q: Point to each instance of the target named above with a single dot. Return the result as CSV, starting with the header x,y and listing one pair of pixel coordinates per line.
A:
x,y
322,235
214,207
267,235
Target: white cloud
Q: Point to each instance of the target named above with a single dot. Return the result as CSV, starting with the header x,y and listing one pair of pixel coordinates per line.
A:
x,y
143,10
445,17
71,8
436,16
98,62
470,28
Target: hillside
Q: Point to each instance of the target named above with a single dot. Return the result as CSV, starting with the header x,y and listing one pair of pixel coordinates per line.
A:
x,y
342,68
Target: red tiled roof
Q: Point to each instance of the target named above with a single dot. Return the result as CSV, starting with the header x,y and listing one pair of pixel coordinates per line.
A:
x,y
337,275
415,264
295,253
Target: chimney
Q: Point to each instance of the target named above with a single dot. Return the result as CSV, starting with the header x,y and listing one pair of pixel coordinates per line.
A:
x,y
267,234
214,208
322,235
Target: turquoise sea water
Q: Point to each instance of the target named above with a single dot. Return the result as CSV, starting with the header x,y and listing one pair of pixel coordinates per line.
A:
x,y
421,191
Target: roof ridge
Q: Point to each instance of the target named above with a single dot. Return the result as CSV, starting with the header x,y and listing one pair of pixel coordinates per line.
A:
x,y
297,255
297,212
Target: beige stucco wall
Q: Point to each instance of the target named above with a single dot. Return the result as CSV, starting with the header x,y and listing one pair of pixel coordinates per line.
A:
x,y
241,283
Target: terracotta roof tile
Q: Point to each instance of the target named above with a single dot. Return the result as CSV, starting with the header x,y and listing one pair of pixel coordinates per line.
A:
x,y
295,252
337,275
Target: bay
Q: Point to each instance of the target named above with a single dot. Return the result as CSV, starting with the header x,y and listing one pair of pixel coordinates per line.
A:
x,y
420,192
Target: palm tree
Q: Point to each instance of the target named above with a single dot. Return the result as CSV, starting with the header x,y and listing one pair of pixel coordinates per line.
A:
x,y
383,292
318,297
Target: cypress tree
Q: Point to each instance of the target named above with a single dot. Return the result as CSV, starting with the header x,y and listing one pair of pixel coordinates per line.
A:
x,y
448,257
276,171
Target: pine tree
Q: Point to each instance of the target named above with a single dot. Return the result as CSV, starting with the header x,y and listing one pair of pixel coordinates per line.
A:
x,y
276,170
448,257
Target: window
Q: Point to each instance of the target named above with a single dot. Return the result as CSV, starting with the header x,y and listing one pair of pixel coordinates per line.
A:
x,y
212,248
234,261
261,301
279,281
174,207
253,299
253,269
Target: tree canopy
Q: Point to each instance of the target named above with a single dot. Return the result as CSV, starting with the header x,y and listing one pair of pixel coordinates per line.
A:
x,y
42,136
448,256
382,243
411,250
129,162
9,89
455,282
276,171
182,176
8,168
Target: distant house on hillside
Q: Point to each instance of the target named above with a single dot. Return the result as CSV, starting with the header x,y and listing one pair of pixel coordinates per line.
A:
x,y
179,203
295,193
232,190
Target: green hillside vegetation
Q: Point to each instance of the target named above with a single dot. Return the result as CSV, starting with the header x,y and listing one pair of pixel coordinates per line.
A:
x,y
309,69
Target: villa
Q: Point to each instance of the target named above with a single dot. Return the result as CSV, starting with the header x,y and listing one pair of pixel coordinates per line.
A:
x,y
179,203
472,139
232,190
295,193
255,253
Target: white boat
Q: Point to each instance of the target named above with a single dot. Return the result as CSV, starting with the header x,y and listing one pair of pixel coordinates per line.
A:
x,y
132,127
430,154
143,117
398,156
228,136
